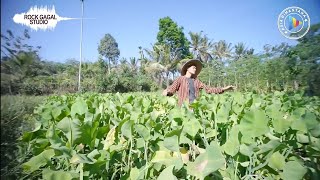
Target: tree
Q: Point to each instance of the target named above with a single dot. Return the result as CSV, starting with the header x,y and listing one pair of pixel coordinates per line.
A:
x,y
133,63
222,50
304,63
250,51
173,36
20,61
195,44
239,50
162,61
108,48
200,46
142,59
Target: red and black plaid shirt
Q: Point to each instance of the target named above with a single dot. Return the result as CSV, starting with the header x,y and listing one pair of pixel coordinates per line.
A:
x,y
181,85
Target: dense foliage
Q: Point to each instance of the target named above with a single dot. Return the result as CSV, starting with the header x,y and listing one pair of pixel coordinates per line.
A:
x,y
278,67
144,136
15,112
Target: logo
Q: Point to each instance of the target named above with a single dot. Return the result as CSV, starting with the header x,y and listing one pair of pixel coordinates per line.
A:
x,y
42,18
293,22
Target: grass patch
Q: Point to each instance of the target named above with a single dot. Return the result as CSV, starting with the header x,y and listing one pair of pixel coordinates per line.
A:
x,y
15,111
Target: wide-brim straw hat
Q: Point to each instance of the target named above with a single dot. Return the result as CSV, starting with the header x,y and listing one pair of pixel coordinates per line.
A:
x,y
189,63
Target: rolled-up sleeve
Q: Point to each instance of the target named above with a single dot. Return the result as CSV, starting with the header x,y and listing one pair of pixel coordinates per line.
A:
x,y
210,90
174,87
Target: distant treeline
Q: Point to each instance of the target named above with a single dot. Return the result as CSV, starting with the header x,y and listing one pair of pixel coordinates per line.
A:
x,y
279,67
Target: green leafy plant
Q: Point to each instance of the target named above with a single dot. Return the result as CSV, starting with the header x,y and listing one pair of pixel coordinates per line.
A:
x,y
145,136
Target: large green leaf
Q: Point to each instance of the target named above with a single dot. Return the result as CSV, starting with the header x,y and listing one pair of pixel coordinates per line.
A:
x,y
80,158
171,140
136,174
184,139
223,112
248,150
276,161
56,112
53,137
311,120
135,116
176,114
38,161
315,131
191,127
58,143
280,122
126,129
293,171
49,174
207,163
172,101
89,131
167,174
299,125
232,145
167,158
254,123
314,142
142,131
70,128
271,145
79,107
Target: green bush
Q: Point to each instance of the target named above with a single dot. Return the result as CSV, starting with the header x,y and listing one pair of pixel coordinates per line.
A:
x,y
15,112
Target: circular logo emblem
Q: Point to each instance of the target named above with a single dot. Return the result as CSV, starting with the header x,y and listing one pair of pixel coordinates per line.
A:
x,y
293,22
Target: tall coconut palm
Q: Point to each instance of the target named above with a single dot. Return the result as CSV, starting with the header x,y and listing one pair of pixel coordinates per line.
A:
x,y
163,61
133,64
150,66
250,51
195,43
200,46
240,50
206,47
142,60
222,50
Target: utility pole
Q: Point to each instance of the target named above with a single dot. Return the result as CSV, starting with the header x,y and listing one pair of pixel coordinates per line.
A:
x,y
79,83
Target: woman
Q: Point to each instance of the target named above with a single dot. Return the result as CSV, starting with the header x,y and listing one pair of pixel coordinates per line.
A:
x,y
188,85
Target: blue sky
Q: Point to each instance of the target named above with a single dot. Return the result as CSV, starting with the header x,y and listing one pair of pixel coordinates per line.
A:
x,y
134,23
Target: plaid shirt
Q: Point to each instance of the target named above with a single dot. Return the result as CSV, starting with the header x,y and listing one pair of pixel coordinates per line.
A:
x,y
181,85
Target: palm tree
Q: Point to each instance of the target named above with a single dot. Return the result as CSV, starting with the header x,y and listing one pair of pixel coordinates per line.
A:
x,y
133,63
195,43
222,50
200,46
163,61
152,69
206,47
240,50
268,50
250,51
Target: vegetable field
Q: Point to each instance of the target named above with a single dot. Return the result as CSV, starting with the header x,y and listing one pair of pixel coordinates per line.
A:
x,y
146,136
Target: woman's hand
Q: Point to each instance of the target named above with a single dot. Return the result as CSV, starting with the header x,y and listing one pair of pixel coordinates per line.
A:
x,y
165,92
227,88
